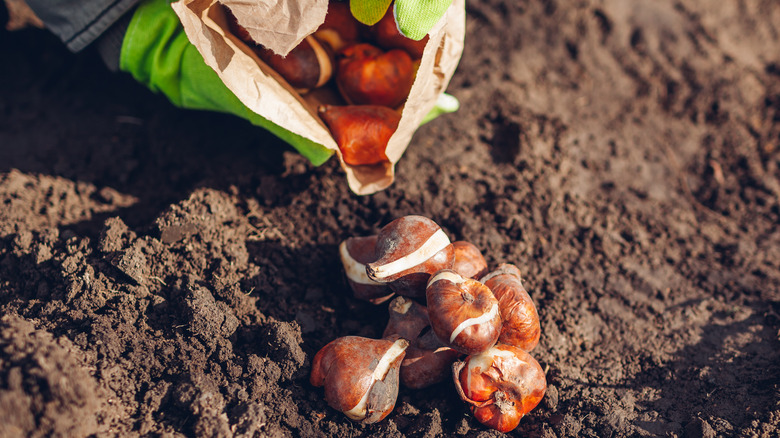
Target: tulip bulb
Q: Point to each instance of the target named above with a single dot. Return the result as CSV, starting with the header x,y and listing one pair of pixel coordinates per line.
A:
x,y
501,385
369,76
340,28
464,313
469,261
407,319
427,362
355,252
521,321
387,36
408,250
309,65
361,132
360,375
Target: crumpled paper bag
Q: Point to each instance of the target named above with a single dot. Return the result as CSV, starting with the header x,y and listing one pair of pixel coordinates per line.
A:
x,y
263,91
281,25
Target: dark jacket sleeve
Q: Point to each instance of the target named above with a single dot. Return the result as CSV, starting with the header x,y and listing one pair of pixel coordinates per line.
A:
x,y
80,22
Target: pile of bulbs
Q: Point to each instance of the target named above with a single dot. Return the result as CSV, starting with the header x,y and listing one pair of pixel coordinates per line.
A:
x,y
373,68
478,331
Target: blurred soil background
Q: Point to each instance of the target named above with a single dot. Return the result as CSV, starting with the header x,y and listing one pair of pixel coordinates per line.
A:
x,y
171,273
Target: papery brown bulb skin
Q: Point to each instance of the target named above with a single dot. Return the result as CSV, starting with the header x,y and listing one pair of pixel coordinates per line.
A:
x,y
502,385
469,261
361,131
407,319
463,312
340,28
309,65
387,36
369,76
360,375
355,252
521,326
427,362
408,250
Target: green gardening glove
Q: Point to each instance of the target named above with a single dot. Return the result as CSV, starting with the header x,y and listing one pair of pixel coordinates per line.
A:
x,y
157,53
414,18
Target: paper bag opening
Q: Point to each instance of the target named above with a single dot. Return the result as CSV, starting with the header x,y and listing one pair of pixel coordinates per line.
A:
x,y
266,93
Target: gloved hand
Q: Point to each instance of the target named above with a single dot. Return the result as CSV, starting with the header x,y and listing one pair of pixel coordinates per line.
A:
x,y
157,53
414,18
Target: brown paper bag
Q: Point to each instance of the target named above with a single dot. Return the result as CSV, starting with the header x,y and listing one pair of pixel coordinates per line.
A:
x,y
263,91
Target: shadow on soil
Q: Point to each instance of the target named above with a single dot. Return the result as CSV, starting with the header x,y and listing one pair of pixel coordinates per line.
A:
x,y
739,379
132,140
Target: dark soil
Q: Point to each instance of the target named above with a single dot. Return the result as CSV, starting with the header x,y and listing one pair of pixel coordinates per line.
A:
x,y
166,272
